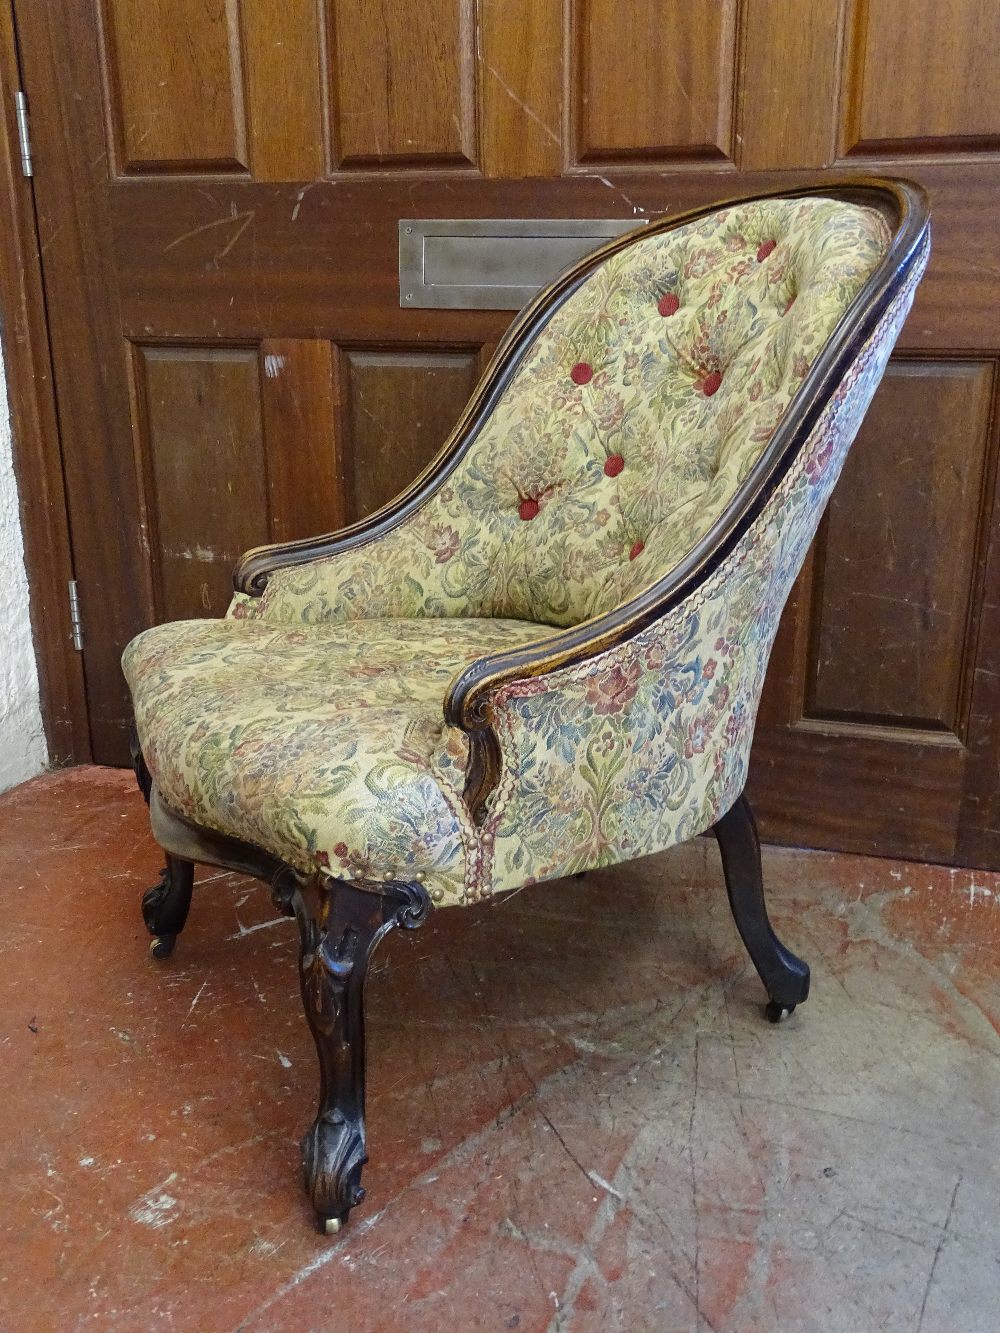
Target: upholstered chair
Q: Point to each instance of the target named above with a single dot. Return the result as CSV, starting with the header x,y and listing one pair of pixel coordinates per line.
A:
x,y
546,654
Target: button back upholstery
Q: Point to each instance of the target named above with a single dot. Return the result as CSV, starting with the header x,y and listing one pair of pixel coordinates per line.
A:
x,y
639,408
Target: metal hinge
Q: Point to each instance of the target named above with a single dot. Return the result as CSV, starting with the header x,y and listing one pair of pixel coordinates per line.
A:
x,y
24,133
75,618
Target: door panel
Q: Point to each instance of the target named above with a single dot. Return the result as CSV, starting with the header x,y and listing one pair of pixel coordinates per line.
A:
x,y
867,716
680,107
401,404
218,190
899,561
174,85
202,459
944,87
403,83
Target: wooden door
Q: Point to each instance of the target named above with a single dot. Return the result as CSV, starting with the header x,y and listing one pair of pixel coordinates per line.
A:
x,y
218,184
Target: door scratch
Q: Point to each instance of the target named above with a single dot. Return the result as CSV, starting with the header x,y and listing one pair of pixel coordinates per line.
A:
x,y
243,218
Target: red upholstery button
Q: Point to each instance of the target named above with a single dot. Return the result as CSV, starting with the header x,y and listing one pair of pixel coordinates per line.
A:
x,y
710,384
582,373
668,304
613,464
528,509
765,250
637,549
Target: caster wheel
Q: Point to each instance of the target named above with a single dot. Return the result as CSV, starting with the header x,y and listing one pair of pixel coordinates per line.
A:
x,y
775,1012
331,1225
162,946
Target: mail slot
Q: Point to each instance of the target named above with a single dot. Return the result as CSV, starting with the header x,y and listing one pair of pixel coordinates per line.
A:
x,y
492,263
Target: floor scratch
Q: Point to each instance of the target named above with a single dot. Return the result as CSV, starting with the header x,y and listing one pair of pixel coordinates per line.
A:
x,y
937,1254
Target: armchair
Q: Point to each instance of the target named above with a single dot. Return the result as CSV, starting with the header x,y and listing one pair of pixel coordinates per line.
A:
x,y
546,654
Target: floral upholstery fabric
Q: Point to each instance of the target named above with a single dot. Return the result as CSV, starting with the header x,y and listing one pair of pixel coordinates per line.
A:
x,y
648,744
630,422
325,744
310,722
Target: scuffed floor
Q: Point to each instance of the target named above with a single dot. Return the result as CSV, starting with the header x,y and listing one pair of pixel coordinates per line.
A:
x,y
578,1118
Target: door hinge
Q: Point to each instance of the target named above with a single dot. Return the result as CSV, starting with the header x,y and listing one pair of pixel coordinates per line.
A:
x,y
24,133
75,618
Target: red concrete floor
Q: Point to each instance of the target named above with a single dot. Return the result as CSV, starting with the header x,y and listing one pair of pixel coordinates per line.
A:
x,y
578,1118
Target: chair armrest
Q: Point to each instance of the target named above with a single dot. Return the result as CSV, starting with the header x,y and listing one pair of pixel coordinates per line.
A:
x,y
255,566
475,694
359,577
627,749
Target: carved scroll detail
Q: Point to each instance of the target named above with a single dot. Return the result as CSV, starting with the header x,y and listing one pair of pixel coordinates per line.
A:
x,y
340,925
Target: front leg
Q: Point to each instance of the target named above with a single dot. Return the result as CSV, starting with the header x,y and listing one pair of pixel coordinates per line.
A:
x,y
340,926
165,906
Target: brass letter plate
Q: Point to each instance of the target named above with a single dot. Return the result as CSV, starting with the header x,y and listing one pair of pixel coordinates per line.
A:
x,y
492,263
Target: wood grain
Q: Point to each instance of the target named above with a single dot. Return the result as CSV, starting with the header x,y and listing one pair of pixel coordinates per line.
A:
x,y
284,58
653,81
175,85
898,553
924,74
520,75
400,407
789,82
403,83
867,793
304,464
284,260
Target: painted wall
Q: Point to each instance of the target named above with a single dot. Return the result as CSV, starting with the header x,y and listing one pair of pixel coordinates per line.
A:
x,y
22,740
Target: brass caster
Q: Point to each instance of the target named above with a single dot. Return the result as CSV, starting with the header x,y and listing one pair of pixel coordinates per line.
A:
x,y
332,1225
162,946
775,1012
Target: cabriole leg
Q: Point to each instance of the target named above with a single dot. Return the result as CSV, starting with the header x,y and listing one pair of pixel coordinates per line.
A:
x,y
165,906
340,927
785,976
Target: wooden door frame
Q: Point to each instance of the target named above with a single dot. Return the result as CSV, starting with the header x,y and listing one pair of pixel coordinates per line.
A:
x,y
37,448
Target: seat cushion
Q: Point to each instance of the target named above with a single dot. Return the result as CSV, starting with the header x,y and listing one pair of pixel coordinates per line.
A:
x,y
324,744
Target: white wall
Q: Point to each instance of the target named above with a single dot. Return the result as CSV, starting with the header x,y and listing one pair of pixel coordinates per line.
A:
x,y
22,741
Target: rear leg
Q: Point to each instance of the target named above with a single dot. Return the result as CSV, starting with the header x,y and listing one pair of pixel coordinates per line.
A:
x,y
785,977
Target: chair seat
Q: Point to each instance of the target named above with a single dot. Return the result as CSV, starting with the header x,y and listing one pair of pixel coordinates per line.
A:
x,y
324,744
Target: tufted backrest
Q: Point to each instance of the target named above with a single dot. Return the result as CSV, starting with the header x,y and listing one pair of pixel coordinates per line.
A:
x,y
626,427
645,401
